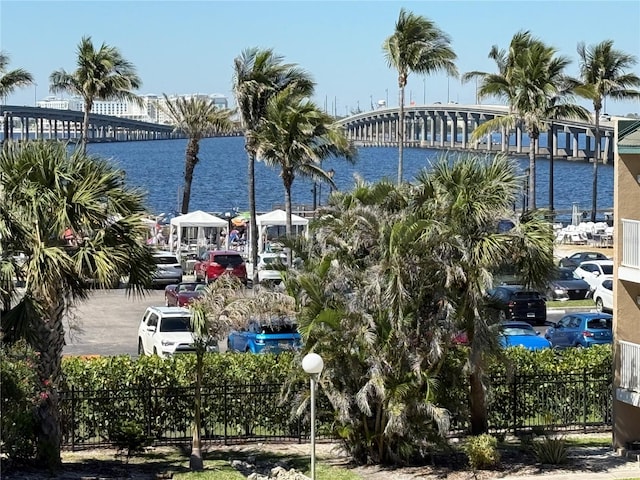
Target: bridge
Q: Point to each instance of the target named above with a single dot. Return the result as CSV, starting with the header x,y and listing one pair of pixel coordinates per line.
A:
x,y
449,127
50,123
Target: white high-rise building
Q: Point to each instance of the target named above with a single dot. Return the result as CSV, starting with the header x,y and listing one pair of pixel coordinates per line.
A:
x,y
151,109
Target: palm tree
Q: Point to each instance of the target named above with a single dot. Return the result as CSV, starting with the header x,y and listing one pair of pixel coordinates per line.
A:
x,y
43,191
417,45
603,73
197,118
102,74
296,136
259,74
11,79
531,78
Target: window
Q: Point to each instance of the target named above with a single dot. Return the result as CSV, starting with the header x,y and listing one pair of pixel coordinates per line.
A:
x,y
599,324
175,324
165,259
228,260
607,269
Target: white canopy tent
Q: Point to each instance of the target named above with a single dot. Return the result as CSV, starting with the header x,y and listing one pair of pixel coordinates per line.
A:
x,y
278,218
199,220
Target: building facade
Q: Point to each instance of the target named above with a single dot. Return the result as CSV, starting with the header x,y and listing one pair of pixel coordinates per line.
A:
x,y
626,347
149,110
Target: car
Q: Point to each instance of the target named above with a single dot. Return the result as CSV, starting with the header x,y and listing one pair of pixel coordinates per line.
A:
x,y
270,266
513,334
593,272
181,294
565,286
514,302
213,263
271,335
168,269
165,331
581,329
603,295
577,258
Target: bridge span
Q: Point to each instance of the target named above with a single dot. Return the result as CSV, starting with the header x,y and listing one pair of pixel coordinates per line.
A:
x,y
449,127
50,123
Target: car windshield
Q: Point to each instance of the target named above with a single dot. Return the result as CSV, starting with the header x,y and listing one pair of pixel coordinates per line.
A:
x,y
599,324
165,259
226,260
271,260
175,324
509,331
607,269
201,288
564,275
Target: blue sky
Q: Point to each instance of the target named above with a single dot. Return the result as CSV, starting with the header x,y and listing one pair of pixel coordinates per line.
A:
x,y
189,46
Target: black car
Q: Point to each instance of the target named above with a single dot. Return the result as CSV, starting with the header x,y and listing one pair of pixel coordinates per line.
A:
x,y
514,302
577,258
564,286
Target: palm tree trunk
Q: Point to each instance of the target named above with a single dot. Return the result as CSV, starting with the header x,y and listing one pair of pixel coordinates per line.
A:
x,y
400,134
288,222
478,404
49,343
85,126
253,226
596,159
533,145
195,460
189,165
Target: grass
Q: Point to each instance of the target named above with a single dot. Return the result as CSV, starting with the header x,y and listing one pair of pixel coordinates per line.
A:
x,y
587,303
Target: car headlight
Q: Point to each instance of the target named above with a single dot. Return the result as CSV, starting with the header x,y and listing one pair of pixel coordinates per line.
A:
x,y
259,341
167,343
559,291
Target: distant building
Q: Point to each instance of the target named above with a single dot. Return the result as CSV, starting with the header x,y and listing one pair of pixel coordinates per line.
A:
x,y
149,111
626,289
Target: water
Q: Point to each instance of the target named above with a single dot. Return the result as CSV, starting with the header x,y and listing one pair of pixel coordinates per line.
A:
x,y
219,183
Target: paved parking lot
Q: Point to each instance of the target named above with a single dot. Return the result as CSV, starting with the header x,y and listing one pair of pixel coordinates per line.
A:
x,y
109,323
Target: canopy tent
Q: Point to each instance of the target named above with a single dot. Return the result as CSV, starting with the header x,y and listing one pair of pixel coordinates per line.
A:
x,y
278,218
199,220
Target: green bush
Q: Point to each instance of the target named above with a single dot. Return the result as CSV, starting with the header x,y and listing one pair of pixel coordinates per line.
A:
x,y
20,393
550,450
482,451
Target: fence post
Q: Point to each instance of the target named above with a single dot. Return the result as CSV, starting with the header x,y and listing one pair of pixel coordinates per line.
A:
x,y
584,399
224,396
515,402
73,418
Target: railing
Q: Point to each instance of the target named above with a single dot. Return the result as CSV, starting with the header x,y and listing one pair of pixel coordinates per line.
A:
x,y
629,366
233,413
630,243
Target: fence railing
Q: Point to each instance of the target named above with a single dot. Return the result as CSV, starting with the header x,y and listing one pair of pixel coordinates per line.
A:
x,y
233,413
629,366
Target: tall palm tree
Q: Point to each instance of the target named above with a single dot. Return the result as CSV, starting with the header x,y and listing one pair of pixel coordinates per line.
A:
x,y
11,79
604,73
417,45
197,118
259,74
43,191
533,82
296,136
102,74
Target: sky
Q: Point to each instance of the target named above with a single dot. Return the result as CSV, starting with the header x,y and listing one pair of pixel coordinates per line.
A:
x,y
183,47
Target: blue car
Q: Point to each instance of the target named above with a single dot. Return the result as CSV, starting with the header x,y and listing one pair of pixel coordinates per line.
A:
x,y
266,336
522,334
581,330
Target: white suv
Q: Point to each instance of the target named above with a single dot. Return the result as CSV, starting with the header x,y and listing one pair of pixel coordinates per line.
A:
x,y
168,269
594,271
164,331
603,295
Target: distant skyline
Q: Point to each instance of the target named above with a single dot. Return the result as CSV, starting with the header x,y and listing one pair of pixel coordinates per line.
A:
x,y
183,47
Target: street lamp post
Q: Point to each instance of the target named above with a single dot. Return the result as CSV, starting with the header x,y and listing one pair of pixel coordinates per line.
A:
x,y
313,364
35,94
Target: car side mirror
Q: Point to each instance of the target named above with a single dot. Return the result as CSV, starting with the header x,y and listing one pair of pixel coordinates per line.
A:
x,y
596,274
151,328
537,332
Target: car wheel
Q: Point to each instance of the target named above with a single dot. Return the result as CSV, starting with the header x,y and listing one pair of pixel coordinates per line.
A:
x,y
140,347
579,345
599,306
247,350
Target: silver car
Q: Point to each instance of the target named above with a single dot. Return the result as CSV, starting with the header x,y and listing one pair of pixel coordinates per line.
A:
x,y
168,269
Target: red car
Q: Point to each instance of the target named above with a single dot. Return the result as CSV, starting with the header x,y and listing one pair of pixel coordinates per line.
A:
x,y
181,294
213,263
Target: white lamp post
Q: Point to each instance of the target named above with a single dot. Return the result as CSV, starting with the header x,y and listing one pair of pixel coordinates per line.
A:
x,y
313,364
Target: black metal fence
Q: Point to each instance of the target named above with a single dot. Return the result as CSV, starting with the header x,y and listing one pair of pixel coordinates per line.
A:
x,y
243,413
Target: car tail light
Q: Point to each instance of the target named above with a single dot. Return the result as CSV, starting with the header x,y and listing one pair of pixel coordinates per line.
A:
x,y
587,333
511,304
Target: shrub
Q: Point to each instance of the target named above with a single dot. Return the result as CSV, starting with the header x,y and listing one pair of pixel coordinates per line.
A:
x,y
129,438
551,450
482,451
19,395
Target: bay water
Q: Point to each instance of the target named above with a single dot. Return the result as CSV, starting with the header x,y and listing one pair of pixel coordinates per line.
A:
x,y
220,177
